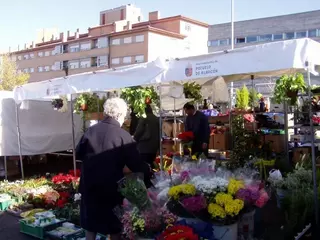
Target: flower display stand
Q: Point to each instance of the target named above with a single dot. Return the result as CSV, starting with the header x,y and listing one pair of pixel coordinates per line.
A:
x,y
226,232
246,224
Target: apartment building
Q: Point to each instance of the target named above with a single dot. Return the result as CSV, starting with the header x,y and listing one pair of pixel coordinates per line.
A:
x,y
263,30
121,38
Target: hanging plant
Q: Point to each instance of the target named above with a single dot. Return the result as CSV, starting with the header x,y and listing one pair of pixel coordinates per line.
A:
x,y
242,98
139,97
192,90
90,103
287,88
60,104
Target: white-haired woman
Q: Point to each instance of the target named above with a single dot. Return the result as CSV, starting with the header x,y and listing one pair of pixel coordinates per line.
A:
x,y
105,149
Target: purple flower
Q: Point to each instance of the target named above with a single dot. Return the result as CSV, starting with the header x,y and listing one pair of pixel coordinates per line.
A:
x,y
184,176
244,194
194,204
254,195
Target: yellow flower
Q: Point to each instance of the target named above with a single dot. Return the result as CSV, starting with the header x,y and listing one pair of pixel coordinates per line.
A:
x,y
186,189
234,186
234,207
194,157
223,198
216,211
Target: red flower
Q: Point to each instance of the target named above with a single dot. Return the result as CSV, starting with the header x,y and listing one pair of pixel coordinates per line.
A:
x,y
64,195
178,232
78,173
186,136
61,203
63,179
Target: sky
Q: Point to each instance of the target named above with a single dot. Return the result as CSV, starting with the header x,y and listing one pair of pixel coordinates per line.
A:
x,y
20,19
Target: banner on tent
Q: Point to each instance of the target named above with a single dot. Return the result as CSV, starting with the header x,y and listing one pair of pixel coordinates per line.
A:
x,y
201,69
55,90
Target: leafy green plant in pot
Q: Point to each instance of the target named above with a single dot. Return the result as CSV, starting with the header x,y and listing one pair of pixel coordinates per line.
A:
x,y
242,98
287,88
192,90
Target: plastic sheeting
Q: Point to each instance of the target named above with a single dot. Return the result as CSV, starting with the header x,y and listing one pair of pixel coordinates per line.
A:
x,y
42,129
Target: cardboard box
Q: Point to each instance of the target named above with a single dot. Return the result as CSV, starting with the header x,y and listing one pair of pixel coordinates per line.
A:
x,y
277,142
221,141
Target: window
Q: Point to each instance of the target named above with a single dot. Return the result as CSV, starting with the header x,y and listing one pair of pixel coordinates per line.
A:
x,y
277,37
289,35
115,41
223,42
19,57
126,60
240,40
74,48
213,43
73,64
140,38
40,54
102,61
31,55
57,49
26,70
139,59
265,38
115,60
40,69
251,39
301,34
85,63
31,70
57,66
127,40
47,53
25,57
312,33
47,68
102,42
95,43
85,46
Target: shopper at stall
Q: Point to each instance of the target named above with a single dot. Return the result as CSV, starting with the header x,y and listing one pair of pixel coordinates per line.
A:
x,y
147,136
105,149
198,123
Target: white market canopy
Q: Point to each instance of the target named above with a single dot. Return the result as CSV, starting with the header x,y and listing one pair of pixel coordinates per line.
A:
x,y
104,80
265,60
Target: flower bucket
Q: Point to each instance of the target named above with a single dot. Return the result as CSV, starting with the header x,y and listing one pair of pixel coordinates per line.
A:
x,y
280,194
246,224
226,232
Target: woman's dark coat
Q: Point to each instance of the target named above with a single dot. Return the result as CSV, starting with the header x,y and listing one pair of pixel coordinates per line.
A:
x,y
104,150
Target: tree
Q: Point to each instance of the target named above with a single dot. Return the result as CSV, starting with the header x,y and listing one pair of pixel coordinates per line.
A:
x,y
9,75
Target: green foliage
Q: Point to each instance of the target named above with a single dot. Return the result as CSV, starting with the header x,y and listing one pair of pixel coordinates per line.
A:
x,y
242,98
138,97
192,90
286,87
9,75
254,97
92,101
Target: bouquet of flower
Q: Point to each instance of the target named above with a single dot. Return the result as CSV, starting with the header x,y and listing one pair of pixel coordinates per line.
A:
x,y
253,196
134,190
209,187
186,136
145,224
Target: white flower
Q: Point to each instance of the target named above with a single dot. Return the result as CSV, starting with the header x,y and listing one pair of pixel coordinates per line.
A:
x,y
210,185
77,197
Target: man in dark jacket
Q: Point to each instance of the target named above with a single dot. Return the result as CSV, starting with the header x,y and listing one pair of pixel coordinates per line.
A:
x,y
105,149
198,123
147,136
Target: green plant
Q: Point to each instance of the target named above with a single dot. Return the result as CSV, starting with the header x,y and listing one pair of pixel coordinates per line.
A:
x,y
287,88
254,97
92,102
139,97
242,98
192,90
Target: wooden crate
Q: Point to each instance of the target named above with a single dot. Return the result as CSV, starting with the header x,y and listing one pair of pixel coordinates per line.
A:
x,y
277,142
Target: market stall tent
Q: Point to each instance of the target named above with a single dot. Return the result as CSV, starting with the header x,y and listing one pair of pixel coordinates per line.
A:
x,y
42,129
265,60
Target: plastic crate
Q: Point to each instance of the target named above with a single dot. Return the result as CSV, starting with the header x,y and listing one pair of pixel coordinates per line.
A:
x,y
54,237
5,204
37,231
82,234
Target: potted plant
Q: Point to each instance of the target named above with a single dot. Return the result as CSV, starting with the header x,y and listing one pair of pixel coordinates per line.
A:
x,y
287,88
192,90
242,98
91,106
315,89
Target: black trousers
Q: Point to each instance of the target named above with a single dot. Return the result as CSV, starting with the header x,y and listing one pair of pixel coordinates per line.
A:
x,y
148,158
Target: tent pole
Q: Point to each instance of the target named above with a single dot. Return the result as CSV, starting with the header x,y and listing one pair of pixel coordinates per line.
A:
x,y
73,140
160,127
314,167
174,121
5,168
19,142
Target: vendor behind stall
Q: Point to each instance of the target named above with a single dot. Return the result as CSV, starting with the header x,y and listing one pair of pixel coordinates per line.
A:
x,y
198,123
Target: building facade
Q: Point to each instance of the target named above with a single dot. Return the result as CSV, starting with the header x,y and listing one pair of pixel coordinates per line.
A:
x,y
121,38
263,30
